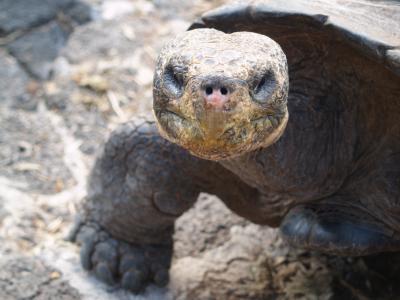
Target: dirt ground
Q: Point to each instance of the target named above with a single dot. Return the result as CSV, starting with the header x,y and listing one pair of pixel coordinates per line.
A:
x,y
70,72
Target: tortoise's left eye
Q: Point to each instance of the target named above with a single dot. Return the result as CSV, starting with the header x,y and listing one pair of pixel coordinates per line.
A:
x,y
264,87
173,80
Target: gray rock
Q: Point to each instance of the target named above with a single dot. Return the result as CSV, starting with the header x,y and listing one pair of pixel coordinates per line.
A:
x,y
221,256
211,221
22,14
13,78
97,40
29,278
32,151
38,49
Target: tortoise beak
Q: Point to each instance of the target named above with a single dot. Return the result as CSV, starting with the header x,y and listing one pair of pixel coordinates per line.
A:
x,y
213,123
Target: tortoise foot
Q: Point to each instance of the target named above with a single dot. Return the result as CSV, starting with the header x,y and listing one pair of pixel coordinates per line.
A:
x,y
121,264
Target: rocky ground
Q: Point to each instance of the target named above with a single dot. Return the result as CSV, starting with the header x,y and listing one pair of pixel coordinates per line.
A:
x,y
71,71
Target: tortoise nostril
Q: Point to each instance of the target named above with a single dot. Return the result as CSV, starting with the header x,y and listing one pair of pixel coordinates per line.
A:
x,y
218,86
209,90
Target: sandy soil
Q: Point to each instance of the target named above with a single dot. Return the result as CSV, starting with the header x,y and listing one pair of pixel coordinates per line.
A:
x,y
72,71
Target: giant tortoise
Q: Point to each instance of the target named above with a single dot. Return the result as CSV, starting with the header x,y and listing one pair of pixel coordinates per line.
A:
x,y
288,111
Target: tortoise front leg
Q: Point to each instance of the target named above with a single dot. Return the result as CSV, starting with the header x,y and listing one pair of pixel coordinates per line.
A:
x,y
140,184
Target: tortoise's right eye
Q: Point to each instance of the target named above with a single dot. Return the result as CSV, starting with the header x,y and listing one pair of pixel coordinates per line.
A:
x,y
173,80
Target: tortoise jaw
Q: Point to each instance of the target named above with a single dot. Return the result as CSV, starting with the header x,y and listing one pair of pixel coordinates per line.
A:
x,y
210,129
219,135
213,124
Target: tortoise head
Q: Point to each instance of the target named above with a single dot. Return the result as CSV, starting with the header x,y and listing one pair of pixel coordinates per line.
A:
x,y
221,95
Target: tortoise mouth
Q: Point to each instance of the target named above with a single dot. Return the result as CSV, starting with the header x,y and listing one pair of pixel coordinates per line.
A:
x,y
234,138
169,118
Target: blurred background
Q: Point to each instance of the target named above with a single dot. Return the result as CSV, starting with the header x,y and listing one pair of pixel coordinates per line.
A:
x,y
70,72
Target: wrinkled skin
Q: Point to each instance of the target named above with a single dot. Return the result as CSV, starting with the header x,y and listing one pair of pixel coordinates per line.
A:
x,y
256,80
320,161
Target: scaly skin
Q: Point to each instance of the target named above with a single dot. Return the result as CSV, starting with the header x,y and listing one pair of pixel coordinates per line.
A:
x,y
322,161
139,185
243,124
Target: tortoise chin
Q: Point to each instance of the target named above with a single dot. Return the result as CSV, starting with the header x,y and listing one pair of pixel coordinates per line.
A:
x,y
219,99
221,135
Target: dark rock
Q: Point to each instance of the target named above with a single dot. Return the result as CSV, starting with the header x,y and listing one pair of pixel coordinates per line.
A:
x,y
56,103
26,101
80,12
37,50
22,14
